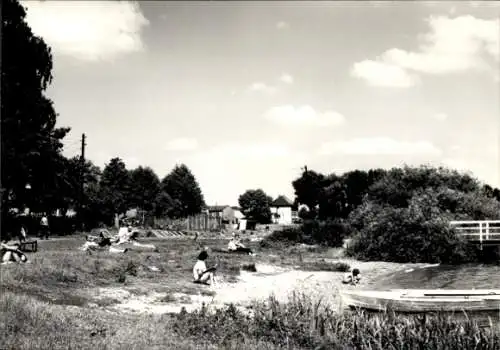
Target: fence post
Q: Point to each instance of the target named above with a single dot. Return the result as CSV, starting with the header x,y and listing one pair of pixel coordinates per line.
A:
x,y
480,235
487,230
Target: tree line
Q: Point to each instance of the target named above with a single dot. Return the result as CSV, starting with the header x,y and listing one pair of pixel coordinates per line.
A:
x,y
35,173
401,214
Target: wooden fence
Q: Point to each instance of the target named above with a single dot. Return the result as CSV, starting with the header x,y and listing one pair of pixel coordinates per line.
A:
x,y
199,222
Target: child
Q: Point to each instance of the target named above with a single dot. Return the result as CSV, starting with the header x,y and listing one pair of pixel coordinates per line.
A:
x,y
352,277
200,272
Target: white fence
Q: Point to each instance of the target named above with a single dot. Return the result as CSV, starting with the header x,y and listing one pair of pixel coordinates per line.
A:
x,y
478,231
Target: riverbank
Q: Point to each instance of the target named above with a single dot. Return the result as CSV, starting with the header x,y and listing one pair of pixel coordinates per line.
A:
x,y
66,298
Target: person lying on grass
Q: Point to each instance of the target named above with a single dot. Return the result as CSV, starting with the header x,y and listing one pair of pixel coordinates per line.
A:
x,y
352,277
11,253
235,245
200,272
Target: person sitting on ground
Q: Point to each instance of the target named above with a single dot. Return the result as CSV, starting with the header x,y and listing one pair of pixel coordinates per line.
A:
x,y
200,272
235,245
352,277
11,253
103,241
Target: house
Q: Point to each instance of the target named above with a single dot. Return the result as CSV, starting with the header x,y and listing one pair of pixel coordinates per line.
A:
x,y
281,210
227,213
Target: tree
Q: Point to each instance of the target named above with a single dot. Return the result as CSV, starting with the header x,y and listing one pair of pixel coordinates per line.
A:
x,y
399,184
31,144
144,188
255,205
114,188
164,205
308,188
182,187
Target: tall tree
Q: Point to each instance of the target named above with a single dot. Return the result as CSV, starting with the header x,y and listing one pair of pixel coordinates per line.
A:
x,y
30,142
115,187
255,205
308,188
182,187
144,188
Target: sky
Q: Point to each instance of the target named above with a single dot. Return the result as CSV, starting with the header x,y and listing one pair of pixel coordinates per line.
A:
x,y
247,93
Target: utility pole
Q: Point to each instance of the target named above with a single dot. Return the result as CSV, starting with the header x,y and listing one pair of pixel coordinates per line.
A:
x,y
82,182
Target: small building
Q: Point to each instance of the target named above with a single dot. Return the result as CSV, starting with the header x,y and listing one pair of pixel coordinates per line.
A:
x,y
281,210
227,213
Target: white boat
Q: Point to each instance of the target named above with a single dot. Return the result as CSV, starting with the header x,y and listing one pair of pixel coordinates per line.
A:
x,y
424,300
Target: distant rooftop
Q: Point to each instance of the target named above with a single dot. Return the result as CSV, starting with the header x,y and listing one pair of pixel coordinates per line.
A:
x,y
282,201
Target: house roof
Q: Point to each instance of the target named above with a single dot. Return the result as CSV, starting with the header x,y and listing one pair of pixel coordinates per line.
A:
x,y
282,201
236,208
216,208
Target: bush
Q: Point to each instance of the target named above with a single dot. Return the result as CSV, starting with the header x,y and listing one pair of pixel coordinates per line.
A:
x,y
327,233
406,235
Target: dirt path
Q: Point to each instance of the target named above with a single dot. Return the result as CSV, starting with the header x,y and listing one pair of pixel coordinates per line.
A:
x,y
268,280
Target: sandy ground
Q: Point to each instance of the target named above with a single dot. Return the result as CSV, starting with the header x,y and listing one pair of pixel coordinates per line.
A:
x,y
268,280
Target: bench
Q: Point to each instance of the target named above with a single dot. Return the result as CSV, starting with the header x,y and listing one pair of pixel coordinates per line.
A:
x,y
29,246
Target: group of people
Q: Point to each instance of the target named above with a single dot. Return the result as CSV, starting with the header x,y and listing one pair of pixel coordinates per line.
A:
x,y
205,275
235,245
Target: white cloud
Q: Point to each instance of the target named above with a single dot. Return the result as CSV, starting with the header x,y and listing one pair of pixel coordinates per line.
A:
x,y
181,144
282,25
88,30
286,78
383,74
264,88
450,45
302,116
379,146
440,116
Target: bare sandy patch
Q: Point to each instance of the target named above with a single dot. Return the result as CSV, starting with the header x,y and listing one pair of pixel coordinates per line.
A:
x,y
253,286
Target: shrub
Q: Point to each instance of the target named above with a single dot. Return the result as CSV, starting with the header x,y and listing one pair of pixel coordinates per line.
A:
x,y
328,233
414,234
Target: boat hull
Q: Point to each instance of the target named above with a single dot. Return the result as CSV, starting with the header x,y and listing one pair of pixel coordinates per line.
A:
x,y
415,301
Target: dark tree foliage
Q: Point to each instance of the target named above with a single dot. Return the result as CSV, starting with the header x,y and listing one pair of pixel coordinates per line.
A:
x,y
308,188
115,188
144,188
30,142
255,205
182,187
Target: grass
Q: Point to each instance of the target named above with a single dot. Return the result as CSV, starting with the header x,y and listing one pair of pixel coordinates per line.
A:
x,y
47,304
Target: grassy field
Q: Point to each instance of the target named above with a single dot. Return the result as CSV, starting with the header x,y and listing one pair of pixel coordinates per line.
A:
x,y
57,301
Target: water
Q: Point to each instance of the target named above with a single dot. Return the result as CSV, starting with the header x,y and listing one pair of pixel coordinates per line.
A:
x,y
474,276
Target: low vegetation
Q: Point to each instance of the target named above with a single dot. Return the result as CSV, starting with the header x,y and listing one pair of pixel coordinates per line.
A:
x,y
27,323
302,324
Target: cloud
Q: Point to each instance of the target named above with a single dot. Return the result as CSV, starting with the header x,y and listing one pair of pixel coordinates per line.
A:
x,y
181,144
286,78
302,116
88,30
450,45
282,25
383,74
440,116
264,88
379,146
